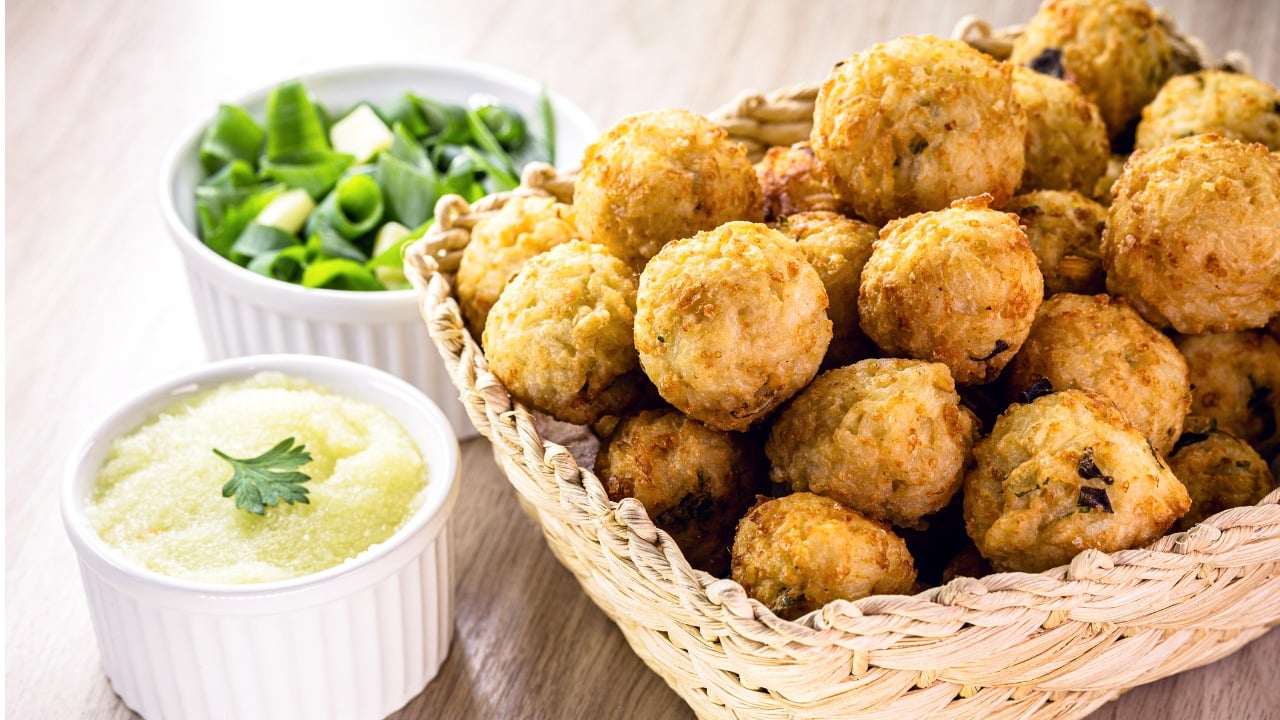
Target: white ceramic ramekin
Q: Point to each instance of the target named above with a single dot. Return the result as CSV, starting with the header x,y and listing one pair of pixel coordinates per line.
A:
x,y
353,642
243,313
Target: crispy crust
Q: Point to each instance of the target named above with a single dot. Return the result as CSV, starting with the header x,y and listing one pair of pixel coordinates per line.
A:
x,y
1236,377
1229,104
731,323
913,124
837,247
959,286
887,438
560,336
1115,50
1065,232
1219,470
1097,342
661,176
797,553
694,481
1193,235
1067,145
1023,501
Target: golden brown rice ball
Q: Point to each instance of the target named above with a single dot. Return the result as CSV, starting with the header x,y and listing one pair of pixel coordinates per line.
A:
x,y
560,336
793,182
958,286
694,481
1096,342
1102,188
915,123
837,247
1065,473
731,323
1236,381
661,176
798,553
1193,235
1219,470
1229,104
1065,230
1115,50
500,245
887,438
1067,145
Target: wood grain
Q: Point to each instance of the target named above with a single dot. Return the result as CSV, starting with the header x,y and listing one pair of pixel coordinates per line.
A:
x,y
98,306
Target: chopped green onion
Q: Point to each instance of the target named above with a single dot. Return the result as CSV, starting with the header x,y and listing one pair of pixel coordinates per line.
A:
x,y
340,274
317,177
326,242
504,171
447,123
404,110
361,134
258,239
220,233
295,127
410,191
354,208
288,211
388,251
233,135
505,124
286,264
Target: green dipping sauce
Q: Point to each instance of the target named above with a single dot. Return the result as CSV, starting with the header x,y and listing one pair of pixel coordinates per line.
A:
x,y
158,498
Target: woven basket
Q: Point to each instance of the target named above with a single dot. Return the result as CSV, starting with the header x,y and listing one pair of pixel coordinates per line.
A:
x,y
1012,645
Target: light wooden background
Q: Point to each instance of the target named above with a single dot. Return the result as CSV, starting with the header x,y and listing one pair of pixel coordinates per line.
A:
x,y
97,304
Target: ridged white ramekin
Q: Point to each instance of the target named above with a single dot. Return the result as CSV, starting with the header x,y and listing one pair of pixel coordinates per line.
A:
x,y
243,313
353,642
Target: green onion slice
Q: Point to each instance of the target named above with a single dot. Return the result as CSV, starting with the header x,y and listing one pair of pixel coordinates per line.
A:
x,y
287,264
326,242
233,135
354,208
258,239
317,177
340,274
296,132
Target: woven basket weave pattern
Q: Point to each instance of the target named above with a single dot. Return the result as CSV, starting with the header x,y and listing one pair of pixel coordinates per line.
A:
x,y
1054,645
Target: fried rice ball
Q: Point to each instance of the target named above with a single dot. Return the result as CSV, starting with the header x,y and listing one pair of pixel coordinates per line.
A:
x,y
1065,473
1097,342
1065,231
915,123
694,481
1102,188
792,182
500,244
1193,235
661,176
885,437
1116,51
837,247
560,336
1067,146
731,323
1230,104
1219,470
958,286
797,553
1236,380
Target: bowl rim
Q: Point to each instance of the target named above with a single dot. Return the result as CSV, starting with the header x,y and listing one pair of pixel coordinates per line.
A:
x,y
188,140
440,493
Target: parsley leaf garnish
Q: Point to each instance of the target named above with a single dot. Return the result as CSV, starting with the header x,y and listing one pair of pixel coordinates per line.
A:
x,y
261,482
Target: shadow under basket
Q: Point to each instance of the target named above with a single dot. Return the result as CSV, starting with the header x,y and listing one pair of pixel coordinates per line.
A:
x,y
1058,644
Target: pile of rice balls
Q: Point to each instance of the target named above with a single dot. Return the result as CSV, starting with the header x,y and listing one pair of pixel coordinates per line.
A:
x,y
957,331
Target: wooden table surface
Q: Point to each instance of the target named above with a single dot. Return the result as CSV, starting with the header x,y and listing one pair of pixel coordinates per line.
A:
x,y
97,303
